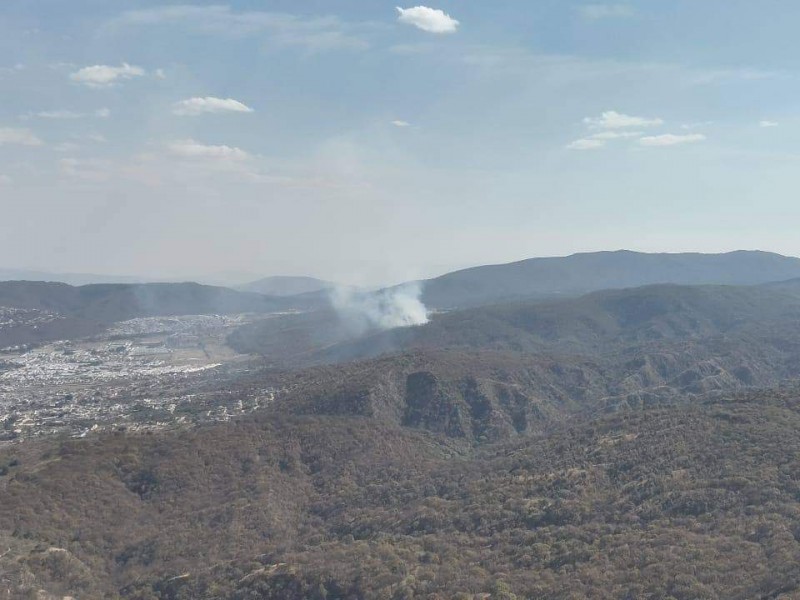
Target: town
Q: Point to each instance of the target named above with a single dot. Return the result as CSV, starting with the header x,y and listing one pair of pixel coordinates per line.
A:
x,y
146,373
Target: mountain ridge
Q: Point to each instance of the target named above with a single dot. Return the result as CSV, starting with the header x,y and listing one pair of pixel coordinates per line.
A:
x,y
72,312
286,285
581,273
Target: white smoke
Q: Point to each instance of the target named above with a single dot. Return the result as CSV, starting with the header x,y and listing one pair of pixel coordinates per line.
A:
x,y
391,308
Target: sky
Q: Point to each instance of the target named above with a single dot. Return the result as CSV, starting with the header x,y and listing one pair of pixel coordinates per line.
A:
x,y
368,143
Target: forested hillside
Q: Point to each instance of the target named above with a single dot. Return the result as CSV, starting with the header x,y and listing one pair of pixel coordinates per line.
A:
x,y
676,501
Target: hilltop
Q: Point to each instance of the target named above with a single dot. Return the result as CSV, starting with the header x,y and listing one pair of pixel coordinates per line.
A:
x,y
51,311
583,273
286,286
630,320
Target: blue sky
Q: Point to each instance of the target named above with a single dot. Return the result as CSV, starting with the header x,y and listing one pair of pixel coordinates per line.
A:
x,y
359,142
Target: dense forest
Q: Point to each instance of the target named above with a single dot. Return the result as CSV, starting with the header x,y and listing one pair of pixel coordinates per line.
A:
x,y
677,501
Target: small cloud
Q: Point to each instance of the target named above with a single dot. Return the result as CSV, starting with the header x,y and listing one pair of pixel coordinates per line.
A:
x,y
768,124
159,74
54,114
670,139
192,149
5,180
615,135
427,19
101,113
101,76
399,123
18,137
611,119
586,144
95,138
15,69
86,170
66,147
690,126
197,106
278,29
595,12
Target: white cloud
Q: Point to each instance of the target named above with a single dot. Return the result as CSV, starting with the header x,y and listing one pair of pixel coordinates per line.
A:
x,y
90,170
99,76
313,34
56,114
160,74
690,126
600,139
595,12
615,135
193,107
19,137
101,113
195,150
399,123
66,147
428,19
670,139
611,119
768,123
5,180
586,144
95,138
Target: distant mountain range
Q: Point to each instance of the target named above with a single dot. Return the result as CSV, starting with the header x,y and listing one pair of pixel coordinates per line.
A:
x,y
85,310
108,303
605,321
583,273
535,280
68,278
716,320
286,286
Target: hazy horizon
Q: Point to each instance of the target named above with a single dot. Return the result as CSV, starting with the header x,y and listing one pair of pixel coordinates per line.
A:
x,y
361,143
237,278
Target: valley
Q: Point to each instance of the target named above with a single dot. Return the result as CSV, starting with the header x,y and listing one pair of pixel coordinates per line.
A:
x,y
151,373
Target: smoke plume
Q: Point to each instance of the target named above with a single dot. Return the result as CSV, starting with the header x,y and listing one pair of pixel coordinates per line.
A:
x,y
391,308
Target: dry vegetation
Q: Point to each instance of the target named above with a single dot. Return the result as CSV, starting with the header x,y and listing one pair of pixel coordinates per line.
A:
x,y
626,445
677,502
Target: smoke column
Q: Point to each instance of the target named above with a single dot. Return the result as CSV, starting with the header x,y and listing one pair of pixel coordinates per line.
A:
x,y
400,306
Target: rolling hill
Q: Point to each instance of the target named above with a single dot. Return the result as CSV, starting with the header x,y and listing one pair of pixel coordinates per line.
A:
x,y
583,273
69,312
593,325
286,286
680,501
68,278
109,303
